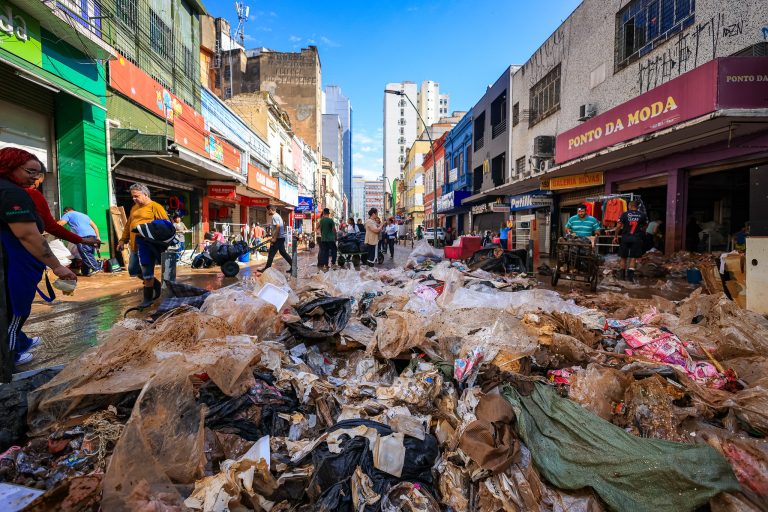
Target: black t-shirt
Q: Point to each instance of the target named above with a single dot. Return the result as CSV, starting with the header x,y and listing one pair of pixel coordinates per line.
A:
x,y
16,206
632,223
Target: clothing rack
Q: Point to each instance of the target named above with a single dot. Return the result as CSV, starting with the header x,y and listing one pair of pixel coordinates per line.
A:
x,y
607,240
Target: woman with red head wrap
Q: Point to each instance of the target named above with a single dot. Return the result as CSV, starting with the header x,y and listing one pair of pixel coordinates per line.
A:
x,y
26,251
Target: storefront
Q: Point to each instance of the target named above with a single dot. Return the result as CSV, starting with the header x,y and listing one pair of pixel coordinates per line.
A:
x,y
450,208
489,216
531,217
685,147
568,192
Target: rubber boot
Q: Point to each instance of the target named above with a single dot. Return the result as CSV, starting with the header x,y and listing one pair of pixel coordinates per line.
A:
x,y
622,274
157,289
631,275
148,297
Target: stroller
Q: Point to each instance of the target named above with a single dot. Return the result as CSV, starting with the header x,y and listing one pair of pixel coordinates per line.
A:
x,y
225,255
352,248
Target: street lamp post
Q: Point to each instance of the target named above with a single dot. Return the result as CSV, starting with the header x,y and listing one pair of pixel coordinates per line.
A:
x,y
434,162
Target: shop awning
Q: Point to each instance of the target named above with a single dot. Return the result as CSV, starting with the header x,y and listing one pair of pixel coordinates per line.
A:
x,y
517,187
203,167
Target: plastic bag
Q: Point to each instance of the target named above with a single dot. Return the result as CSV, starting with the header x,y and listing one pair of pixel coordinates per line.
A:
x,y
598,389
246,313
398,332
323,317
163,445
422,252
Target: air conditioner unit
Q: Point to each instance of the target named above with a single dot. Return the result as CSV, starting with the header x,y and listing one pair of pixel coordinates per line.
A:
x,y
587,111
544,146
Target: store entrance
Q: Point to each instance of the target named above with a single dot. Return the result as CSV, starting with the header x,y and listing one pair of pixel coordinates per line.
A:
x,y
718,207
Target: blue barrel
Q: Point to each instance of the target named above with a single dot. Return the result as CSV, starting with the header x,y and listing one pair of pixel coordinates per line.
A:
x,y
245,258
693,275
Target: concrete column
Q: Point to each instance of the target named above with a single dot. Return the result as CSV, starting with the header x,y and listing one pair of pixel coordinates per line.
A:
x,y
677,206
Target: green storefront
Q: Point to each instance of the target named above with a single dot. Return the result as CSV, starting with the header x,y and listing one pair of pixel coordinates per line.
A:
x,y
53,99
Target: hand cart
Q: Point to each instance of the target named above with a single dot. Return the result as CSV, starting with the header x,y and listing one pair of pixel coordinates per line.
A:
x,y
577,261
354,251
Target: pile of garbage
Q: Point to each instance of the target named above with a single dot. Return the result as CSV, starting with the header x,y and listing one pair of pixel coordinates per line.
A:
x,y
432,387
655,264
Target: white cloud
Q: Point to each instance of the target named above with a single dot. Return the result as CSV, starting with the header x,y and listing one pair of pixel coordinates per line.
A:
x,y
294,39
329,42
311,41
359,137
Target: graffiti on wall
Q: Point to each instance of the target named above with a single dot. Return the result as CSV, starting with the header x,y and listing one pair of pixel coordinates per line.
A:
x,y
697,45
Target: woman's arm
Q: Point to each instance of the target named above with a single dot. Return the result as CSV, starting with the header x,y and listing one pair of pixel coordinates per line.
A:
x,y
37,246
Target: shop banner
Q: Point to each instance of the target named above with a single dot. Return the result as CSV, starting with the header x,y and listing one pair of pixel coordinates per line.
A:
x,y
538,199
259,202
135,84
688,96
222,192
298,216
591,179
451,200
289,193
500,208
305,204
20,34
742,82
453,175
261,181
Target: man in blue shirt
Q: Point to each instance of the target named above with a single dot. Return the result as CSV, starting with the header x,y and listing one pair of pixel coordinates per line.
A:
x,y
82,225
582,224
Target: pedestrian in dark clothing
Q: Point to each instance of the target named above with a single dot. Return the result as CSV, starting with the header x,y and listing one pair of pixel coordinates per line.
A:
x,y
278,239
360,226
327,239
631,228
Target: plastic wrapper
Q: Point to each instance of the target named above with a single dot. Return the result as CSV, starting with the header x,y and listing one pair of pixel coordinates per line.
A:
x,y
322,317
399,332
423,251
599,389
521,301
246,313
162,446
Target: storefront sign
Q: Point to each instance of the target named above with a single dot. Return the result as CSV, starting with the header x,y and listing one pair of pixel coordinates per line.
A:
x,y
20,34
453,175
261,181
305,204
298,216
688,96
135,84
256,202
742,82
591,179
451,200
289,193
500,208
222,192
485,208
530,201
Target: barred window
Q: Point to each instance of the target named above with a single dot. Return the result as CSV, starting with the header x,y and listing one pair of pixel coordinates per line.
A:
x,y
642,24
189,62
126,13
160,36
545,96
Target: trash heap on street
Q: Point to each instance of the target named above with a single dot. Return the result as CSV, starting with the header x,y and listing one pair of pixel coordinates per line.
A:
x,y
432,387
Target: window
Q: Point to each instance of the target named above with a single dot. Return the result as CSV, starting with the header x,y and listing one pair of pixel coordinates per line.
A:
x,y
227,71
520,166
402,131
189,62
515,114
499,115
228,92
497,169
643,23
160,37
126,13
479,131
217,81
402,112
401,140
545,96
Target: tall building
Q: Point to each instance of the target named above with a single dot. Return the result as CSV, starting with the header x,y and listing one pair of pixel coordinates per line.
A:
x,y
400,127
332,140
432,104
374,196
337,103
358,198
292,78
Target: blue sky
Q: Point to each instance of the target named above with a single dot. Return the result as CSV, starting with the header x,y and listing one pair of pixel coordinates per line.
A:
x,y
464,45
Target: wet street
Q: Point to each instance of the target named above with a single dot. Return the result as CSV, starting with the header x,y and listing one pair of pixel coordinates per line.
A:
x,y
71,325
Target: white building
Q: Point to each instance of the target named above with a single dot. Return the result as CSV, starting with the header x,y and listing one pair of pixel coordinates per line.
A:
x,y
400,127
358,198
432,104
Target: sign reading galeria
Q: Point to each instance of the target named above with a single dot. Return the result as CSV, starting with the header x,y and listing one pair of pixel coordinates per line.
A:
x,y
591,179
690,95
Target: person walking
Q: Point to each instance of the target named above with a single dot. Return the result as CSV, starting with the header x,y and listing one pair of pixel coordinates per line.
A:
x,y
372,229
82,225
327,230
181,230
278,239
419,232
26,252
391,233
143,257
581,224
631,228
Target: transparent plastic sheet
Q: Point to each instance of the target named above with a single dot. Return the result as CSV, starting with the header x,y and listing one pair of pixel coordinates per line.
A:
x,y
598,389
124,361
399,332
351,283
162,446
277,278
421,252
521,301
422,307
246,313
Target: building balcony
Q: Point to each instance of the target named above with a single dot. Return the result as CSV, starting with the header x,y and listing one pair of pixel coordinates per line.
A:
x,y
498,129
82,24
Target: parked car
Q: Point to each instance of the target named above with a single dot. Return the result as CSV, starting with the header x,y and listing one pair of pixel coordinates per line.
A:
x,y
429,235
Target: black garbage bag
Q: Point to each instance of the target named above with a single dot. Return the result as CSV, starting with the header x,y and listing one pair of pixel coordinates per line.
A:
x,y
223,253
323,317
230,414
352,243
495,259
13,406
330,487
181,295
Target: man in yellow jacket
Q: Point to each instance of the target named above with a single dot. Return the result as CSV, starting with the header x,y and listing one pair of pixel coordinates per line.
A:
x,y
144,210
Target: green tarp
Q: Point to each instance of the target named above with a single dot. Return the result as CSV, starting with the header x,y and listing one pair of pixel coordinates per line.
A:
x,y
573,449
